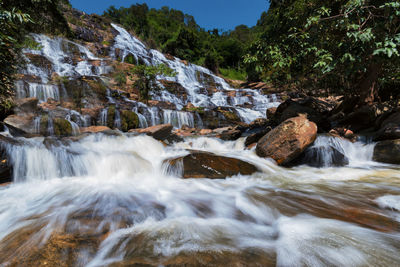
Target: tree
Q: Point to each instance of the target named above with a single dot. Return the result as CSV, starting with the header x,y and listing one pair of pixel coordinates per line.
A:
x,y
146,78
338,46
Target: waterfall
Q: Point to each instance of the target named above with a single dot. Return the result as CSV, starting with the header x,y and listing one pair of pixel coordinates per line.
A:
x,y
74,126
103,116
117,119
50,125
44,91
178,118
36,123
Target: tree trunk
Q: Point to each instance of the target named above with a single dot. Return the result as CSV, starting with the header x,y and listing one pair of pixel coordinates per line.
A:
x,y
368,85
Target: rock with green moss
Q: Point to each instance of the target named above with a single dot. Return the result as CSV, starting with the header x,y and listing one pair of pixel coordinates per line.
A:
x,y
60,127
110,116
129,120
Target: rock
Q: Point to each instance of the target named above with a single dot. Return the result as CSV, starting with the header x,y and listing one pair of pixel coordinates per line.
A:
x,y
94,129
200,164
361,119
159,132
387,151
253,138
20,125
26,105
228,133
288,140
271,112
343,133
390,128
205,131
321,157
315,109
5,164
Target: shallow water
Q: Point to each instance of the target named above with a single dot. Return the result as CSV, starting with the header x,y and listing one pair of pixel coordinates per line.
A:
x,y
108,201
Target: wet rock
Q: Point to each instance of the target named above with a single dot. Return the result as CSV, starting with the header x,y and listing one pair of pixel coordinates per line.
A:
x,y
387,151
26,105
343,133
200,164
227,133
19,124
94,129
288,140
321,157
271,112
390,128
5,164
158,132
255,137
129,120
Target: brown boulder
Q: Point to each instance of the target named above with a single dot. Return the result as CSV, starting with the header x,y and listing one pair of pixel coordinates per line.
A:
x,y
288,140
94,129
227,133
200,164
159,132
387,151
26,105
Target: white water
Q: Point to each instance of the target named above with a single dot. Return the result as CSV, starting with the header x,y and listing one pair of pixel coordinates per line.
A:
x,y
118,184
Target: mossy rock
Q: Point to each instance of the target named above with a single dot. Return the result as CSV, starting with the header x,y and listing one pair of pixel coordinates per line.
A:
x,y
230,116
130,59
61,127
129,120
110,116
97,87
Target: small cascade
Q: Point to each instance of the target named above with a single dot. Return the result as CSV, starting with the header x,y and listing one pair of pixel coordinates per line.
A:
x,y
325,150
142,119
178,118
36,124
74,125
43,91
154,116
103,116
117,119
50,125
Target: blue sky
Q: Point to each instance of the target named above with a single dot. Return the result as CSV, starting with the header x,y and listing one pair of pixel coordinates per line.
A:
x,y
209,14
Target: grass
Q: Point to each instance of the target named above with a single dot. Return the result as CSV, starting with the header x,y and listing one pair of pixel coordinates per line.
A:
x,y
233,74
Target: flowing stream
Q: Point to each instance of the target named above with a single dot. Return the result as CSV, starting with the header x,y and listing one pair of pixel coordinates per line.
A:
x,y
108,201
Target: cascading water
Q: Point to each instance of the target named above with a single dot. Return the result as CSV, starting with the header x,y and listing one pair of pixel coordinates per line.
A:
x,y
192,78
107,200
178,118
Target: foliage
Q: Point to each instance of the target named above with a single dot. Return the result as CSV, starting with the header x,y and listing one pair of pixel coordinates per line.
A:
x,y
147,78
233,74
120,78
338,46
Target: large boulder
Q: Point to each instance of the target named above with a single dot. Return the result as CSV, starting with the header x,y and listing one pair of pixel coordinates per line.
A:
x,y
387,151
199,164
288,140
158,132
389,128
26,105
317,111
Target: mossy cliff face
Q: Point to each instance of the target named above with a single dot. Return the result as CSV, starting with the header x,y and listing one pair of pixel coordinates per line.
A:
x,y
111,117
61,127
